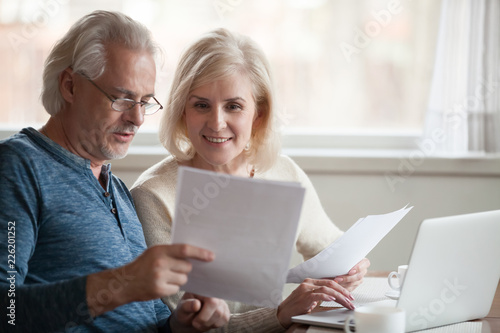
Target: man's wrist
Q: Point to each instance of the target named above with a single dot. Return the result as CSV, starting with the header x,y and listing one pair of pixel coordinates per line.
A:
x,y
166,328
177,326
103,294
174,324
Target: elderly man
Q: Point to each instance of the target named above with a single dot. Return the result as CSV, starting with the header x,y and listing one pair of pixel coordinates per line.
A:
x,y
72,248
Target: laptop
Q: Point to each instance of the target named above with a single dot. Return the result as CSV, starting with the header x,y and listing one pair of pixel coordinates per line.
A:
x,y
453,273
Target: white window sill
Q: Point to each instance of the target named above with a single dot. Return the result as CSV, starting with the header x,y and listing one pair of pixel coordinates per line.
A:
x,y
351,152
352,161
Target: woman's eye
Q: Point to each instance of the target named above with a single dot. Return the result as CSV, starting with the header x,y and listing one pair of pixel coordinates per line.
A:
x,y
234,107
201,105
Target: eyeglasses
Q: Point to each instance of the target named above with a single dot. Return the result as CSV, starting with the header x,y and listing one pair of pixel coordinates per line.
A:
x,y
125,104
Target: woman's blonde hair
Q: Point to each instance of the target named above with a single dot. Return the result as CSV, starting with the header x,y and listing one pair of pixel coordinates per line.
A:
x,y
217,55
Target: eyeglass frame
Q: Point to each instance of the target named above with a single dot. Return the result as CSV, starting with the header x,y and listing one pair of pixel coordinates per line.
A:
x,y
124,99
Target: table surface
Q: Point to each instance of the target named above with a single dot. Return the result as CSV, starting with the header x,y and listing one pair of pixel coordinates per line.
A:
x,y
492,320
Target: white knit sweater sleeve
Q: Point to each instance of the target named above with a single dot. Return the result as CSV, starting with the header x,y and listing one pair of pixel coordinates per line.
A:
x,y
316,230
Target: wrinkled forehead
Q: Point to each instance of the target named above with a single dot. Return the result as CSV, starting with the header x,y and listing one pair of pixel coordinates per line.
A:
x,y
132,70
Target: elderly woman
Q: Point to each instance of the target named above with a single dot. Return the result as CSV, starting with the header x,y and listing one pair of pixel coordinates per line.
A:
x,y
220,117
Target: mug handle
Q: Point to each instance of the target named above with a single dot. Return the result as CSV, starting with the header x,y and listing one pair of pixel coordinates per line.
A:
x,y
389,280
347,327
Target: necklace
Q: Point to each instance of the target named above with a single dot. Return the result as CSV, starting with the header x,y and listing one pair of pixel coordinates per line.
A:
x,y
252,173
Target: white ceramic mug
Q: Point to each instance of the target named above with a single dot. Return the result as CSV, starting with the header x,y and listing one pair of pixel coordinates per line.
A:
x,y
400,275
377,319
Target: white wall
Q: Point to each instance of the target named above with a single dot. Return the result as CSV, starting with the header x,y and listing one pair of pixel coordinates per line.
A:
x,y
353,184
349,197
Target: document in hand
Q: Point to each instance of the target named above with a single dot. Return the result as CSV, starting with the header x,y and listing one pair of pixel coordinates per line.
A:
x,y
249,224
345,252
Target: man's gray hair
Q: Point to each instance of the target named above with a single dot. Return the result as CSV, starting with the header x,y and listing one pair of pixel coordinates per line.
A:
x,y
83,48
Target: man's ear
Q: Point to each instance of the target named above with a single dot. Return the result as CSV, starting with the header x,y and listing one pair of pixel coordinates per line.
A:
x,y
66,84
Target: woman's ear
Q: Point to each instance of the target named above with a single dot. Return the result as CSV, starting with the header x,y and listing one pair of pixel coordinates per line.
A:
x,y
258,119
66,84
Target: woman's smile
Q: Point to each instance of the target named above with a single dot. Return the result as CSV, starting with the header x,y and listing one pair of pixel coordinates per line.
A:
x,y
216,140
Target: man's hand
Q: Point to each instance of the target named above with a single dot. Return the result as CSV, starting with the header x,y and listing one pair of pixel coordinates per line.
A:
x,y
198,314
158,272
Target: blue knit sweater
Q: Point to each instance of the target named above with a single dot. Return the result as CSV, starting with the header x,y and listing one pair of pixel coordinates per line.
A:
x,y
58,225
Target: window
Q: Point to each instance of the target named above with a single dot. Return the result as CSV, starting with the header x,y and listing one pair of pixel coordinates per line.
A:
x,y
343,65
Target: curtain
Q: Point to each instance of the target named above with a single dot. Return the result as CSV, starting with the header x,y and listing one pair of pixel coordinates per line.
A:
x,y
463,116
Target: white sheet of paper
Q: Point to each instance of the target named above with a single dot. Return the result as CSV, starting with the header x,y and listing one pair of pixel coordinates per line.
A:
x,y
249,224
345,252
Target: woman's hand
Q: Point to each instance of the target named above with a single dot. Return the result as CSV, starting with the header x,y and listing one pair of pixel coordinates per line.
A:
x,y
354,278
308,295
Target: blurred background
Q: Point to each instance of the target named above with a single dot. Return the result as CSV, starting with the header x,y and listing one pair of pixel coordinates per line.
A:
x,y
343,64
